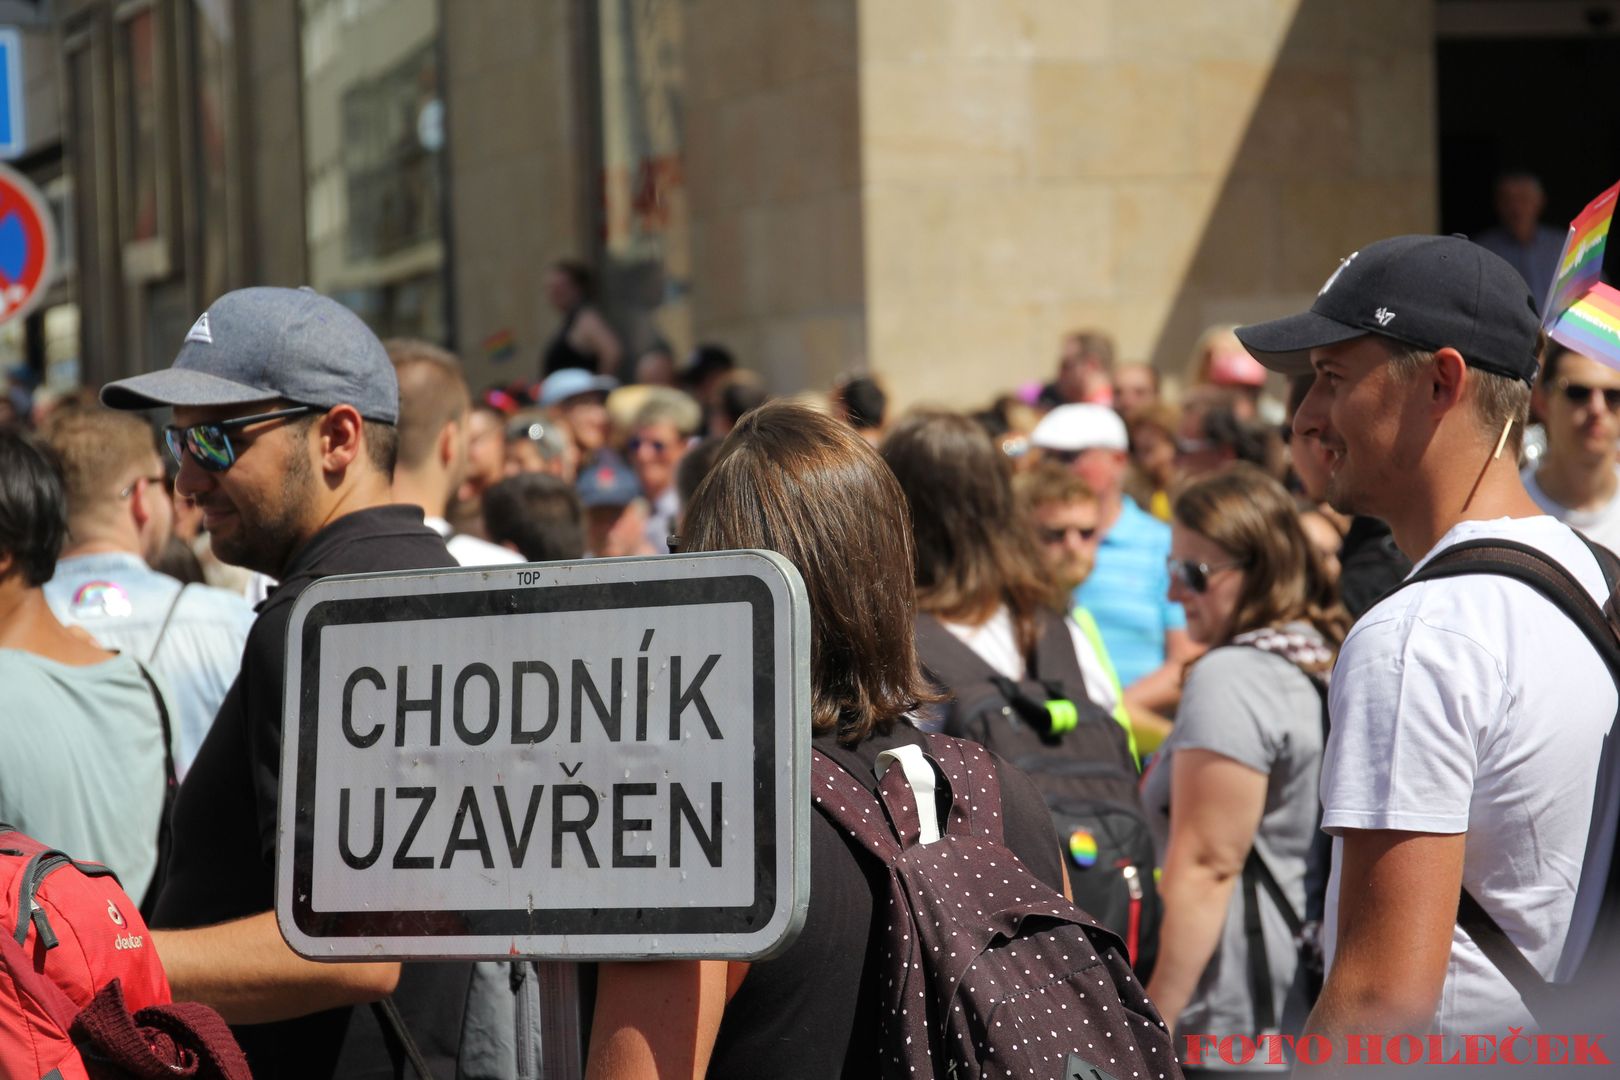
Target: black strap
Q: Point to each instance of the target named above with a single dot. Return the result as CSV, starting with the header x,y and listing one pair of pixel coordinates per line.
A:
x,y
1055,660
1265,1007
163,630
1552,580
1256,876
952,664
1257,868
1499,949
1609,563
1525,564
949,659
393,1023
171,785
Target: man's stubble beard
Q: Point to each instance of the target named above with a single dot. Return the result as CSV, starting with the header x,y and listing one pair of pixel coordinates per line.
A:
x,y
264,542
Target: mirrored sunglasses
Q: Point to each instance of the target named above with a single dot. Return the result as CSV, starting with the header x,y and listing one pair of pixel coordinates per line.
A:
x,y
210,444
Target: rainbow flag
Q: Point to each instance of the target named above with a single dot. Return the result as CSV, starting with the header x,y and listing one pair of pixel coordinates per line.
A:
x,y
1582,309
500,346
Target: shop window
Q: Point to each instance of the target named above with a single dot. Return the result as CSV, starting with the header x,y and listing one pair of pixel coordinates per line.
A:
x,y
373,147
142,69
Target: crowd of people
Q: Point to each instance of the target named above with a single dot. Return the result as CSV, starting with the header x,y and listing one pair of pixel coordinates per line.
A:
x,y
1170,602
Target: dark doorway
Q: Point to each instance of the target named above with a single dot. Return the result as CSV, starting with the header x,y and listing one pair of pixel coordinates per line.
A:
x,y
1545,105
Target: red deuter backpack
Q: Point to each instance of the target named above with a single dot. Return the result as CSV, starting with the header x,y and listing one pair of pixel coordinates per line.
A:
x,y
67,929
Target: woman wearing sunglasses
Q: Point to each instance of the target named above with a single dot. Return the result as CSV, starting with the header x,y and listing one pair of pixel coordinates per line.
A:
x,y
1234,789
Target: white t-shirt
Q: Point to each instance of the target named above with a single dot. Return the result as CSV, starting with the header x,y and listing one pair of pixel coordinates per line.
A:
x,y
1474,705
469,550
1601,525
996,642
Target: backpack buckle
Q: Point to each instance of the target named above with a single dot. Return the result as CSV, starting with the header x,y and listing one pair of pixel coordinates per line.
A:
x,y
1062,716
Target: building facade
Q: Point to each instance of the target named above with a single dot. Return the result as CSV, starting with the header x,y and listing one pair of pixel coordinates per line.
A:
x,y
931,190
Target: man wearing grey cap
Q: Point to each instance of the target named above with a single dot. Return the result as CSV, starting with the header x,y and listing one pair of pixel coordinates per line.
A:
x,y
1469,713
284,411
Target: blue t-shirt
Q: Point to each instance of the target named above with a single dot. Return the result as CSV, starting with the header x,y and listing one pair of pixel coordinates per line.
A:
x,y
1128,592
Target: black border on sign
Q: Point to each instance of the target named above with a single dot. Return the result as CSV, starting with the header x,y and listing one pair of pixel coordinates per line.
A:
x,y
548,922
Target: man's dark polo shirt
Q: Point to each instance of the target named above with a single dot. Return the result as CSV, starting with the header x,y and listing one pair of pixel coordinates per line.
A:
x,y
223,861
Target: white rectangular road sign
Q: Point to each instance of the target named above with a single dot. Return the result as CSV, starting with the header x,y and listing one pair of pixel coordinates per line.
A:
x,y
572,760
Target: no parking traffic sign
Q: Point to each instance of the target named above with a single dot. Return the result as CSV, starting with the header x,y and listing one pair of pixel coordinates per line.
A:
x,y
27,245
569,760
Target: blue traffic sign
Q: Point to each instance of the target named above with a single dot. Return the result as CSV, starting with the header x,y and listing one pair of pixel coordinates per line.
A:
x,y
12,138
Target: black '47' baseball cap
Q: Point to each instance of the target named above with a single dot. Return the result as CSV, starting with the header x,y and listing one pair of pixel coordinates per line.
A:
x,y
1429,292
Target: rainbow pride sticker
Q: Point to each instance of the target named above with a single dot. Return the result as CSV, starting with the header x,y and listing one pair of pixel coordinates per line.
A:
x,y
1083,847
97,598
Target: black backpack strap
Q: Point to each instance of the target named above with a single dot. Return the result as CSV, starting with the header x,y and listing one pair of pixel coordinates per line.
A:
x,y
1499,949
393,1025
952,664
1523,563
1609,563
1257,876
1055,661
1259,969
950,661
171,785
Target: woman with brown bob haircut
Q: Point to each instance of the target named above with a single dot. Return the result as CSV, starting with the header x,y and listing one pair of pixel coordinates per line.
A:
x,y
794,481
979,570
1233,792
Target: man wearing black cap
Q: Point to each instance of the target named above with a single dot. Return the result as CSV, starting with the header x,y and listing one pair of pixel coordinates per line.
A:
x,y
1469,712
284,412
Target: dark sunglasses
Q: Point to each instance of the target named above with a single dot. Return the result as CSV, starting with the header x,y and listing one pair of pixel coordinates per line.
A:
x,y
1057,536
658,446
1579,394
1195,575
1062,457
210,444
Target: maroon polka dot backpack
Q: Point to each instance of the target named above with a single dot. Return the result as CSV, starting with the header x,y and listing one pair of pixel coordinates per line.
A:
x,y
987,971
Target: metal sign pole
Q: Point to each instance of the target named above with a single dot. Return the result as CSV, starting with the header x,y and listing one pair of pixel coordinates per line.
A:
x,y
562,1057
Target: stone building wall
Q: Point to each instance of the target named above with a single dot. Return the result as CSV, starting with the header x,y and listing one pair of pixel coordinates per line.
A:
x,y
1036,166
934,190
520,183
773,166
273,89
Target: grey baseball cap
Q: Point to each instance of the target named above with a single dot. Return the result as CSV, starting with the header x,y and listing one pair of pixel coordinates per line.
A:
x,y
266,343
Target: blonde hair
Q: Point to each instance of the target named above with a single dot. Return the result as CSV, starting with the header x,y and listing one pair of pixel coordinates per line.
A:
x,y
1498,400
101,450
1204,349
